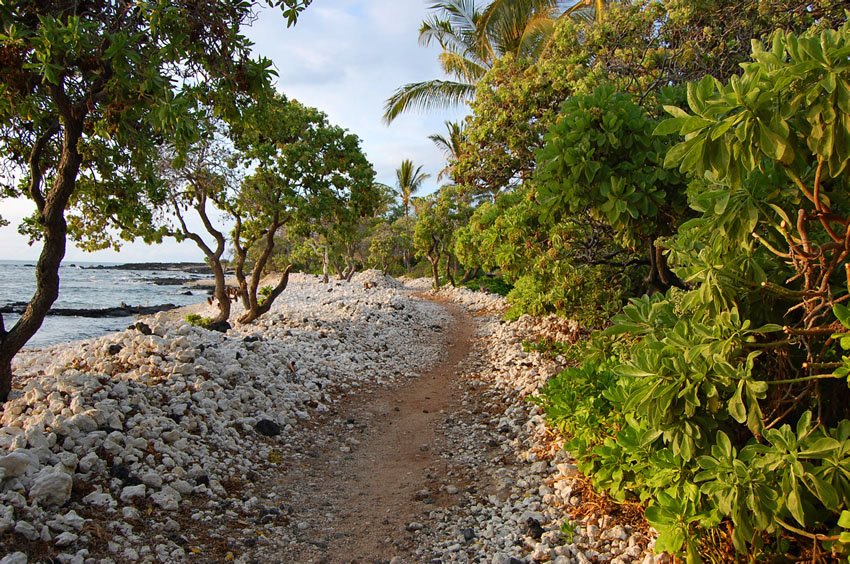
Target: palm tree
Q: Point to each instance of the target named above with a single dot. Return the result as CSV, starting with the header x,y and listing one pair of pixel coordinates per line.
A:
x,y
472,39
588,10
408,182
450,145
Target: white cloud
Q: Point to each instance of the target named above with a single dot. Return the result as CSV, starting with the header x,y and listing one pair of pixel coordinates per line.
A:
x,y
345,57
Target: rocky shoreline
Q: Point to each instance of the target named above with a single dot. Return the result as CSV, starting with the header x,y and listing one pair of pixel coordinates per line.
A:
x,y
122,310
187,267
158,448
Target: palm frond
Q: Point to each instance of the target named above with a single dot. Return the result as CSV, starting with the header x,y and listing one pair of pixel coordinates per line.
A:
x,y
430,94
466,70
586,10
536,34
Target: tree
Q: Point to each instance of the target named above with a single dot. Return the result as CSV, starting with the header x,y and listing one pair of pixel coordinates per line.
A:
x,y
438,216
601,158
200,178
408,182
86,92
724,405
306,170
641,47
450,145
472,40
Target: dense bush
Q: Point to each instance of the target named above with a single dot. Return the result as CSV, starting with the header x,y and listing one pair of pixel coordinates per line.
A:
x,y
726,403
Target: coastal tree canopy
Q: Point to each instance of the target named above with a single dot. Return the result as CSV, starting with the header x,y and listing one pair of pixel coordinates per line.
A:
x,y
306,171
87,91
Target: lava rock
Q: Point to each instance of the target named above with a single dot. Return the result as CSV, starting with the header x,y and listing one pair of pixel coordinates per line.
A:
x,y
220,326
533,528
267,428
142,328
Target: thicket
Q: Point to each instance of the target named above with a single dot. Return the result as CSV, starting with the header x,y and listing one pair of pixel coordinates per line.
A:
x,y
722,404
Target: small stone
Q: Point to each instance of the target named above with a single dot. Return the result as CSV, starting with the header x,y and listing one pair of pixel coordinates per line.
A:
x,y
152,480
452,490
171,525
51,487
302,526
541,553
220,326
100,499
14,464
167,498
182,486
130,513
26,530
130,493
14,558
66,539
533,528
415,526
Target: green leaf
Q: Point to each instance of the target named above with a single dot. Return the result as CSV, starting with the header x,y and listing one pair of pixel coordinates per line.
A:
x,y
676,112
823,491
820,448
669,126
794,504
736,404
842,313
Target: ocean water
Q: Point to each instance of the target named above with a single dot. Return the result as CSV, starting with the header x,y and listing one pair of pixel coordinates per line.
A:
x,y
84,288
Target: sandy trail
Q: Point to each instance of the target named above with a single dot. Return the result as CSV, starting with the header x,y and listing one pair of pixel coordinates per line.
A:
x,y
359,497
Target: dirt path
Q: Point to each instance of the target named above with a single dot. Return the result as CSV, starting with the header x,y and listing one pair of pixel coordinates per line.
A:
x,y
373,474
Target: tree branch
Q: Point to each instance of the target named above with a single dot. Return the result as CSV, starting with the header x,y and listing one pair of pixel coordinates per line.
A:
x,y
36,172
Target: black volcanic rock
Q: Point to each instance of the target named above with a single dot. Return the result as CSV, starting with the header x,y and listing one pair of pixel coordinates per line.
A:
x,y
123,310
267,428
190,267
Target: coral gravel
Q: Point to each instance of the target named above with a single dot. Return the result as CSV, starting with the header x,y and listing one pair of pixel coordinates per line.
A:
x,y
144,447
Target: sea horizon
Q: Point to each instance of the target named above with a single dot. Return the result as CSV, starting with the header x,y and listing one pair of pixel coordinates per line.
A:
x,y
86,288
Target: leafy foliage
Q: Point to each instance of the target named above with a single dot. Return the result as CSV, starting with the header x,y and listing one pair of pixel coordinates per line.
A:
x,y
310,176
727,401
88,91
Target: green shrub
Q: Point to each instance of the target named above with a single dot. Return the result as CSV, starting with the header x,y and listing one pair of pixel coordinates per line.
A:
x,y
264,293
198,320
492,284
727,403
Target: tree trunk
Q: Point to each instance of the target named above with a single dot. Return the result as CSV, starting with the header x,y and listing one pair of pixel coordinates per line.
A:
x,y
435,270
352,269
450,270
470,274
255,309
660,278
55,229
326,265
220,291
241,253
258,310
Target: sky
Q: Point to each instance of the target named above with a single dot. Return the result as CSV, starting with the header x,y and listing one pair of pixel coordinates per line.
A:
x,y
345,57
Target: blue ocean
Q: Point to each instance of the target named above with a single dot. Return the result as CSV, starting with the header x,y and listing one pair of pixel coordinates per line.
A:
x,y
84,287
